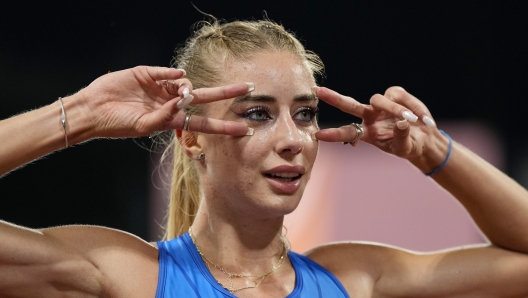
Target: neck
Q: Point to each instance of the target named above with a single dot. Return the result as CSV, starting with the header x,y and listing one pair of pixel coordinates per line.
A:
x,y
240,244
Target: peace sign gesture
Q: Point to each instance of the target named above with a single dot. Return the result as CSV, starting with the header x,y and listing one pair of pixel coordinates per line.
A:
x,y
396,122
141,100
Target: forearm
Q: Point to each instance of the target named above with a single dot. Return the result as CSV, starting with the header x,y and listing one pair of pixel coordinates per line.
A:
x,y
31,135
498,204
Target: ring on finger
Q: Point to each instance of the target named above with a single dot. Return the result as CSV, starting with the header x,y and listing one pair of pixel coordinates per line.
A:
x,y
186,122
359,133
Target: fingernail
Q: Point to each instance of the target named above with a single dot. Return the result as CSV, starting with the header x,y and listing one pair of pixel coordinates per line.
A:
x,y
185,92
402,124
314,136
185,101
428,121
409,116
251,86
314,90
184,72
250,131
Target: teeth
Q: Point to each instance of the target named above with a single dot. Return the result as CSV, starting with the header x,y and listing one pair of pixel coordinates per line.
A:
x,y
285,175
283,179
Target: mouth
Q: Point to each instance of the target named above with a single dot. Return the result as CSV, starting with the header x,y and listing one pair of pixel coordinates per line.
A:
x,y
284,177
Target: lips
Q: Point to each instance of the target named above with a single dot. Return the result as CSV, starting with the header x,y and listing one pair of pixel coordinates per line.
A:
x,y
285,179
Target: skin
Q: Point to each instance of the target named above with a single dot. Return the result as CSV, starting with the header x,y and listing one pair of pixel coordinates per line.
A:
x,y
241,213
242,207
238,225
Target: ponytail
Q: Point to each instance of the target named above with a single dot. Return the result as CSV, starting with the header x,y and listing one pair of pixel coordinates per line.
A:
x,y
184,193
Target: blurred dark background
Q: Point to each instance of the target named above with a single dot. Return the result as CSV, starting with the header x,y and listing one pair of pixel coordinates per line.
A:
x,y
466,60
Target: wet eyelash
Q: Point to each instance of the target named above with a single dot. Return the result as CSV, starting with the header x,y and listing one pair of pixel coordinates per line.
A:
x,y
252,110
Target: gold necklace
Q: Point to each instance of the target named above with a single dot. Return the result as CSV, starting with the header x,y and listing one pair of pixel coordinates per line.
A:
x,y
256,279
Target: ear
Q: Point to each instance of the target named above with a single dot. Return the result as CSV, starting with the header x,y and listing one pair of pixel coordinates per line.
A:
x,y
189,142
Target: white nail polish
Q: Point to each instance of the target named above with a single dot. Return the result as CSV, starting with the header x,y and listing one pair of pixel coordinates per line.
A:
x,y
409,116
402,124
184,72
313,136
250,131
185,92
428,121
251,86
185,101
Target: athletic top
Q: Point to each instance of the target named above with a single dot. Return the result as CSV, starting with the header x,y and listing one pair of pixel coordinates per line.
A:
x,y
183,273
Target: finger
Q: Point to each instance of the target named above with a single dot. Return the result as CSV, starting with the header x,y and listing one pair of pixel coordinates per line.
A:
x,y
162,73
345,133
399,95
205,95
185,88
210,126
344,103
382,103
402,144
160,119
181,88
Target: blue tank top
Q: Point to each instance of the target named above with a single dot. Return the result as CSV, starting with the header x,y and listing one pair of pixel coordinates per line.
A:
x,y
182,273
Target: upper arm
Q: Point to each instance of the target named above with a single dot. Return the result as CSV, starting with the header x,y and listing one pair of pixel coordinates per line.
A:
x,y
88,261
484,271
470,272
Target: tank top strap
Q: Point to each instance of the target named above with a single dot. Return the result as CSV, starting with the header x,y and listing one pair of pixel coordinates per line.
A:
x,y
313,280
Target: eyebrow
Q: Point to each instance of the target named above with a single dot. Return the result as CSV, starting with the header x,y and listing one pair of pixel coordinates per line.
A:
x,y
268,98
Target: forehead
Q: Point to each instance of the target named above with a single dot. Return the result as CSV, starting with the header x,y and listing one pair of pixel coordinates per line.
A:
x,y
272,71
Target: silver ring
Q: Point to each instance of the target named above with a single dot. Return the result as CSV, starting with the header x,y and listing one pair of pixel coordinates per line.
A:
x,y
359,132
187,120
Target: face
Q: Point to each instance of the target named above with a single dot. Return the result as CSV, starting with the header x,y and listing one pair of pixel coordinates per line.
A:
x,y
266,173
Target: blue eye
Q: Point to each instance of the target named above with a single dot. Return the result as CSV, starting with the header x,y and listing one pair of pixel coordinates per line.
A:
x,y
257,114
306,114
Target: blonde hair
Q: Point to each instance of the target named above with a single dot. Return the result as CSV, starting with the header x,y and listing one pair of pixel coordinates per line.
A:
x,y
203,57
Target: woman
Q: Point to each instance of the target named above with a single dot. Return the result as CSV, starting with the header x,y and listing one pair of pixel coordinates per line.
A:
x,y
233,184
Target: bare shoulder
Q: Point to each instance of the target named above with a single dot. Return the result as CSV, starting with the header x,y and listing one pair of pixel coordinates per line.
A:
x,y
358,265
373,270
128,264
361,265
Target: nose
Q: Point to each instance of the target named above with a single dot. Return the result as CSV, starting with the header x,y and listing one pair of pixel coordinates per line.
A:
x,y
289,138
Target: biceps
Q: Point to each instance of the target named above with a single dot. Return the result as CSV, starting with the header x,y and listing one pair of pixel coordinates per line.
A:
x,y
479,272
33,264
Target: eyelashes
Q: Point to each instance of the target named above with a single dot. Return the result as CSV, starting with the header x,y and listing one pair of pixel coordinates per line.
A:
x,y
257,114
307,114
304,114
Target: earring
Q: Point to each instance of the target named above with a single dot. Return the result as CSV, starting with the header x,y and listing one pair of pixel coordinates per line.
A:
x,y
201,156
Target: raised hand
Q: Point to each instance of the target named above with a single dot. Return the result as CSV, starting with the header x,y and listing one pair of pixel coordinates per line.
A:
x,y
390,123
141,100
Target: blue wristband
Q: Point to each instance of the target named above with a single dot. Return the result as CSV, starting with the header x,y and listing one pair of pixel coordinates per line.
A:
x,y
447,157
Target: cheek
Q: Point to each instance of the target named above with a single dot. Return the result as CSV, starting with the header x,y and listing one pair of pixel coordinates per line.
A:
x,y
311,146
249,152
234,155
